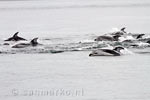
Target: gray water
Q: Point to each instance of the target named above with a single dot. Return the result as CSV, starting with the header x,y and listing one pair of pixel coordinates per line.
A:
x,y
68,22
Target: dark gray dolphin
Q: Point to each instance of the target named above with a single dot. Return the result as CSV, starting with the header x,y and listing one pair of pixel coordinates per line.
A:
x,y
140,36
15,37
107,52
123,29
33,42
121,32
107,38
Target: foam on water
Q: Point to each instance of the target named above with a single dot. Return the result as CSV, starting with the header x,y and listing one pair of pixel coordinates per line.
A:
x,y
67,44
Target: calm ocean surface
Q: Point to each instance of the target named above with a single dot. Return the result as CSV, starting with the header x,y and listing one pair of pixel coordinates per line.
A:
x,y
47,18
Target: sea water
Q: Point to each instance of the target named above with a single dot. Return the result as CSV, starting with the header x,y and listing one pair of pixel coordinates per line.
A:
x,y
72,75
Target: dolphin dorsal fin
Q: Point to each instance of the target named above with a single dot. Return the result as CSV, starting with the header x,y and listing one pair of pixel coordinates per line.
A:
x,y
140,36
16,34
123,29
118,48
34,41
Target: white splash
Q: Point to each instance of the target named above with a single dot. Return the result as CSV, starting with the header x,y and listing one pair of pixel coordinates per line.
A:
x,y
141,44
114,30
126,52
128,37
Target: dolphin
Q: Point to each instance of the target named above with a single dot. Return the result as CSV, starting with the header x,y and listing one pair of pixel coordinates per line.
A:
x,y
107,52
33,43
15,37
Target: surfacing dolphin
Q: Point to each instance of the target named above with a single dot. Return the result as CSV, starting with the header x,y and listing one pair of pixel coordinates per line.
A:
x,y
33,42
121,32
15,37
107,52
107,38
140,36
